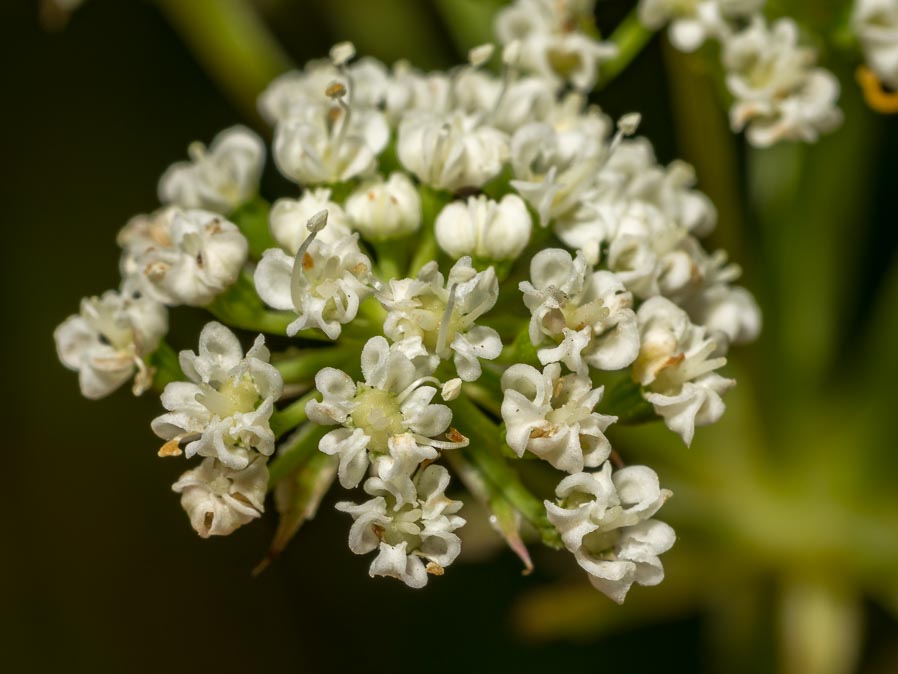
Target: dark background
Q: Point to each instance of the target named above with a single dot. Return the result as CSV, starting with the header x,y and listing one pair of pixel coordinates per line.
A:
x,y
102,572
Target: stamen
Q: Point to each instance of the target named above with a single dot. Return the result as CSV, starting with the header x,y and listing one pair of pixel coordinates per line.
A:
x,y
196,151
444,324
337,91
341,53
510,56
408,390
478,56
315,224
626,126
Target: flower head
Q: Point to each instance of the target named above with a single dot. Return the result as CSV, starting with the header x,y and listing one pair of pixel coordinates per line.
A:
x,y
552,416
587,314
323,283
414,539
676,365
381,210
441,313
603,518
484,229
219,178
779,93
184,257
387,419
219,499
224,410
108,340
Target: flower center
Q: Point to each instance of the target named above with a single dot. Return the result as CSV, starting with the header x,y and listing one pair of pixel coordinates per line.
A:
x,y
236,395
378,414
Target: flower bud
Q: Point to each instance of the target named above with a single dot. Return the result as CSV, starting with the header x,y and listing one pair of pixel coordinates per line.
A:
x,y
484,229
382,210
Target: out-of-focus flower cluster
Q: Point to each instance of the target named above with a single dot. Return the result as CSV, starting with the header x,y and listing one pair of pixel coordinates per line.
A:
x,y
779,93
475,268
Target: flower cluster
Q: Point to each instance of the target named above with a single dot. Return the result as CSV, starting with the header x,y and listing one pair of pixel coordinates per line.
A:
x,y
472,261
779,93
876,24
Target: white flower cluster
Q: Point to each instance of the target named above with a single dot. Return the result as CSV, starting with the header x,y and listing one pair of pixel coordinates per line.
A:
x,y
779,92
491,239
876,24
222,414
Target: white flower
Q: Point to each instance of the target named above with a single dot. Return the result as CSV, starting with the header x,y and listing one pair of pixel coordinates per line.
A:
x,y
108,340
288,219
412,540
382,210
224,410
442,314
218,179
287,95
694,21
588,314
326,143
450,151
876,25
552,417
730,314
387,420
603,518
550,43
505,104
219,499
323,283
554,168
203,256
779,93
484,229
676,366
409,89
144,232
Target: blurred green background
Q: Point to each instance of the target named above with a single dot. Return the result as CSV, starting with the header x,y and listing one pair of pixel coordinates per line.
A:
x,y
787,510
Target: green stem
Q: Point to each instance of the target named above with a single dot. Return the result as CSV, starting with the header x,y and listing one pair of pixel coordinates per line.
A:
x,y
240,307
168,367
292,415
252,219
432,202
300,368
630,38
392,259
485,454
232,42
295,451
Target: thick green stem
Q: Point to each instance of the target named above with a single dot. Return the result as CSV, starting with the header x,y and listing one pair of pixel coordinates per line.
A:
x,y
232,42
252,219
486,455
630,38
292,415
303,366
295,451
432,202
168,368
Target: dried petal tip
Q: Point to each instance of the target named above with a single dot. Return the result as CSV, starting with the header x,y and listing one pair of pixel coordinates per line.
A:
x,y
629,123
171,448
434,569
480,55
317,222
342,52
335,89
